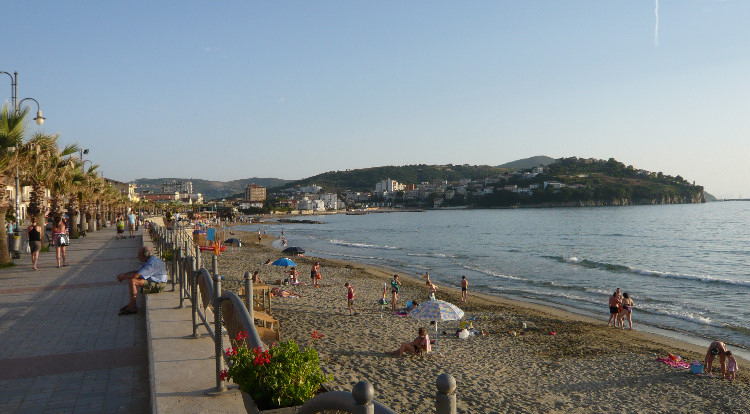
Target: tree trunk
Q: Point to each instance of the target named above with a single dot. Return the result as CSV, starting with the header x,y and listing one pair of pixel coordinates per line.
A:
x,y
4,253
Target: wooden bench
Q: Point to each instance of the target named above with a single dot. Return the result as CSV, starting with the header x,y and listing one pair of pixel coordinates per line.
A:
x,y
268,327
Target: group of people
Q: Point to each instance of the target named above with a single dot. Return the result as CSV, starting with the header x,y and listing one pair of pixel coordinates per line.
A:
x,y
728,362
620,308
59,238
132,225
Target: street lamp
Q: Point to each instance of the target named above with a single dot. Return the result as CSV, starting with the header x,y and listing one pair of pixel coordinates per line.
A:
x,y
39,120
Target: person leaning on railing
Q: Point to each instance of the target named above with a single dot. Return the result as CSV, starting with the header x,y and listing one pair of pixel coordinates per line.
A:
x,y
152,272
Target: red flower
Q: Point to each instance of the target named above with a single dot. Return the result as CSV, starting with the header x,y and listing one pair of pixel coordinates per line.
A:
x,y
231,351
223,375
242,335
315,335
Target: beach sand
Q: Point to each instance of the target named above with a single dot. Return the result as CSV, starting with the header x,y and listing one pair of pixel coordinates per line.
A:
x,y
585,367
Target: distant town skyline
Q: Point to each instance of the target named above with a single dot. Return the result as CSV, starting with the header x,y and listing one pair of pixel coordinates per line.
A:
x,y
290,90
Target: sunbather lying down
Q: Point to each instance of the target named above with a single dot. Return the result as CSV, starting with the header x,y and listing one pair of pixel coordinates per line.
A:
x,y
421,342
281,293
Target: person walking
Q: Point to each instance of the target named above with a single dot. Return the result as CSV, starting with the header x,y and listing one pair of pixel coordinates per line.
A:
x,y
60,237
350,299
34,236
131,224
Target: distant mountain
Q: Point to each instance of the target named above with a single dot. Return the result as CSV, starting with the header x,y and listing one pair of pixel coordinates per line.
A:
x,y
211,189
528,162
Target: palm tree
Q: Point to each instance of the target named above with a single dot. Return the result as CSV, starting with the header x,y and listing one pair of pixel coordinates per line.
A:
x,y
41,159
12,130
61,186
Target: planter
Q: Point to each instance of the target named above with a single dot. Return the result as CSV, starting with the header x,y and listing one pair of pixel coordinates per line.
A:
x,y
251,408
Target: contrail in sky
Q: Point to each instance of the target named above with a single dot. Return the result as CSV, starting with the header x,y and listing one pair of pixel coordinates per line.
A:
x,y
656,27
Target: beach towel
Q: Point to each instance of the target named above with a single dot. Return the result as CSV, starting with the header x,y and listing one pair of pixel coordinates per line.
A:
x,y
675,362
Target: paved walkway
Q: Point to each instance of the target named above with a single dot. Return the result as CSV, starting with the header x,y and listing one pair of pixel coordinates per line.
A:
x,y
66,350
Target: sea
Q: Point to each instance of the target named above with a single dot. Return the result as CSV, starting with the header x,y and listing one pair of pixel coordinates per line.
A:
x,y
686,266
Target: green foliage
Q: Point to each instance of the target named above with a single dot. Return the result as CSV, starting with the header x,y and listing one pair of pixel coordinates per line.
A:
x,y
365,179
167,255
283,376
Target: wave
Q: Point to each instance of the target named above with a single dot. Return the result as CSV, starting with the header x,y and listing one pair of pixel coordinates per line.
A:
x,y
592,264
686,315
362,245
491,273
440,255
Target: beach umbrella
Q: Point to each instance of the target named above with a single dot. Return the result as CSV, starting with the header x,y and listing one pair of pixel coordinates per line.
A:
x,y
284,262
437,310
293,250
233,240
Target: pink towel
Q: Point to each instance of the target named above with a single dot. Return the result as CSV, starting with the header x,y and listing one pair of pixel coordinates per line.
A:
x,y
679,363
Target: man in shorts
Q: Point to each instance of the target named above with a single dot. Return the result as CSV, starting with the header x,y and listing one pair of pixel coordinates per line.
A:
x,y
131,223
151,273
615,302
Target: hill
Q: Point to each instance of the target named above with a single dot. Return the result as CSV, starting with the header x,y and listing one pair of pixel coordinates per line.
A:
x,y
527,163
211,189
365,179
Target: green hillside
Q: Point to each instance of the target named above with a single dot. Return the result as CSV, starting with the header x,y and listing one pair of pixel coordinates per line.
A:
x,y
365,179
530,162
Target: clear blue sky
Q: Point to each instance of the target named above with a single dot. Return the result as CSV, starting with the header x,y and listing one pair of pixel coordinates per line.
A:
x,y
236,89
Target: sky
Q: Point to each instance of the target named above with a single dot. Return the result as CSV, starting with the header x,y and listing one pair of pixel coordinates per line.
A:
x,y
227,90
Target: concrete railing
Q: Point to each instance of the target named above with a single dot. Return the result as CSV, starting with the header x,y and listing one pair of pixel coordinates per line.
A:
x,y
218,311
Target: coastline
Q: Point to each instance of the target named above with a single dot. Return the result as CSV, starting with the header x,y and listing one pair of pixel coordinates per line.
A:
x,y
583,348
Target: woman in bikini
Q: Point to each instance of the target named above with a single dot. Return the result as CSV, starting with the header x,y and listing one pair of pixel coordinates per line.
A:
x,y
627,311
422,342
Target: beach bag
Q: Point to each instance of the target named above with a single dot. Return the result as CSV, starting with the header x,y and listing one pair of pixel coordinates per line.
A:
x,y
317,276
63,240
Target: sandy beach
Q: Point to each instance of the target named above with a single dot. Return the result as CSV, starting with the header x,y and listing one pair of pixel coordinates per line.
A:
x,y
585,367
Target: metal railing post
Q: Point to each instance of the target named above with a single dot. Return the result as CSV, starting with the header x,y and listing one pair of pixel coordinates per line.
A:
x,y
219,347
181,276
249,296
194,296
363,394
445,399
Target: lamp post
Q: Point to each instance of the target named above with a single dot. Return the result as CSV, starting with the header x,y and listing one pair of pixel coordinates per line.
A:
x,y
39,120
82,214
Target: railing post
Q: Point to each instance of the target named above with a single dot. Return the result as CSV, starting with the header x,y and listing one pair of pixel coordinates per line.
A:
x,y
219,347
249,296
194,296
363,394
445,400
198,263
181,275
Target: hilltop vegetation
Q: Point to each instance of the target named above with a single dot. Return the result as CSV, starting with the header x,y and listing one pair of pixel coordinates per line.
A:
x,y
565,182
365,179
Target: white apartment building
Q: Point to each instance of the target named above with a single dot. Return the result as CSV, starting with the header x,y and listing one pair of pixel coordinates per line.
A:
x,y
388,186
177,186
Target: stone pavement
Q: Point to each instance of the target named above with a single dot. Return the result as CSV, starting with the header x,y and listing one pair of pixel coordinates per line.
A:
x,y
66,350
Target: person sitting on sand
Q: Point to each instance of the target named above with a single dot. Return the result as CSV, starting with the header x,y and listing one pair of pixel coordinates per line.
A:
x,y
422,342
293,276
281,293
614,307
267,262
716,348
255,278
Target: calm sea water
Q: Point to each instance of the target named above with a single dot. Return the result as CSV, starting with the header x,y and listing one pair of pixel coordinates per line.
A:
x,y
687,267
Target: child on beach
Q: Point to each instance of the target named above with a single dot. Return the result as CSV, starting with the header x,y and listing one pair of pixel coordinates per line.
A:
x,y
315,274
395,285
350,299
432,289
464,289
293,276
731,366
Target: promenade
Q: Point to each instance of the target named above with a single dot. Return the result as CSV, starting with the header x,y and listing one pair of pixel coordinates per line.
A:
x,y
66,349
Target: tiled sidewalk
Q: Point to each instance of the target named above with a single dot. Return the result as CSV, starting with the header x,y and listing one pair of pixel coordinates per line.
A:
x,y
65,349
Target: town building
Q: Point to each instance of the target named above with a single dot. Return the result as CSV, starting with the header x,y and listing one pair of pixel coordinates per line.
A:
x,y
177,185
255,193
